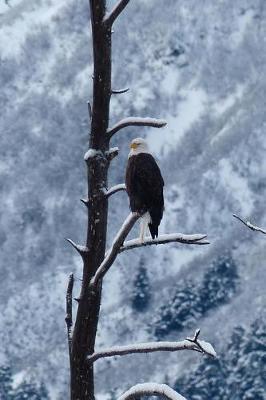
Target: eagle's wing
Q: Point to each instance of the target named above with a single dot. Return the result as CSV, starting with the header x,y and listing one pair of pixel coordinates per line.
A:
x,y
144,183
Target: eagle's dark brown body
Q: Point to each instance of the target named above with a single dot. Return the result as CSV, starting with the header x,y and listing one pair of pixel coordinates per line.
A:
x,y
144,184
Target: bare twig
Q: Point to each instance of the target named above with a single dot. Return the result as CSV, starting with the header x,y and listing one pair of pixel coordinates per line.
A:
x,y
151,389
136,121
114,250
250,226
114,189
163,239
120,91
188,344
85,202
116,11
68,317
82,250
89,110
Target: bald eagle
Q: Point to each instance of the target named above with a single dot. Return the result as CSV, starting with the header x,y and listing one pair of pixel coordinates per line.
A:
x,y
144,185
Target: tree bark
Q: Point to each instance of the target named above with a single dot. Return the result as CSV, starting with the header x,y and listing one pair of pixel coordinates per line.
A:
x,y
83,341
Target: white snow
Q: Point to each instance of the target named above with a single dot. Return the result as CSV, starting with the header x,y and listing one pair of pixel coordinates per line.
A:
x,y
243,22
151,388
207,347
237,184
188,111
92,153
139,121
116,188
112,150
223,105
35,15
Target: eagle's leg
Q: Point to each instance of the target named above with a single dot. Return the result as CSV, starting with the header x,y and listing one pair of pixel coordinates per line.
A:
x,y
145,220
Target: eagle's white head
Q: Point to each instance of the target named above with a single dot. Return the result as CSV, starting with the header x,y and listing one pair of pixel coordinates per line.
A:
x,y
138,146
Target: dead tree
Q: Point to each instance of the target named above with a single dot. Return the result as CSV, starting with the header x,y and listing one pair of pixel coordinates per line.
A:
x,y
96,261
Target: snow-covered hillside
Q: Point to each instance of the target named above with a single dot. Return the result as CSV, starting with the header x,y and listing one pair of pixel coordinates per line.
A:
x,y
199,65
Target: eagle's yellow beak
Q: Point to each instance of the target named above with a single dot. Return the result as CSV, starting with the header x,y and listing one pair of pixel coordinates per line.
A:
x,y
133,146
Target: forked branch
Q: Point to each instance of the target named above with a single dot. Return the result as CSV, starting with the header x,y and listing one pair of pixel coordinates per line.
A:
x,y
114,250
119,246
151,347
68,317
115,12
136,121
151,389
250,226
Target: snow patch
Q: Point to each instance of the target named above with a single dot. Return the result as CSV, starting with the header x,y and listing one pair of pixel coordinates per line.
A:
x,y
92,153
243,22
237,185
222,106
189,111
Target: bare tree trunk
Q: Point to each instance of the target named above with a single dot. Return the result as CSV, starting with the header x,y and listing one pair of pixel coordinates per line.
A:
x,y
95,263
82,377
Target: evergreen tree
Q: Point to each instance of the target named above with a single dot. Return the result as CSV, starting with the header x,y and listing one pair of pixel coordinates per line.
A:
x,y
29,391
238,374
141,292
219,283
181,311
5,383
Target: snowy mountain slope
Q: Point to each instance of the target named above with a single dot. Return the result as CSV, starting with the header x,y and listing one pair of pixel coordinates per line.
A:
x,y
200,66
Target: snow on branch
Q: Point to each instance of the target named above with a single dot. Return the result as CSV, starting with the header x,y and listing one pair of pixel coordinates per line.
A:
x,y
68,317
136,121
250,226
189,344
115,247
115,189
197,238
91,153
151,389
120,91
112,153
115,12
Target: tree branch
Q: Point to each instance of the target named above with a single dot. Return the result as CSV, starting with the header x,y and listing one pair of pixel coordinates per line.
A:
x,y
188,344
120,91
82,250
163,239
151,389
116,11
136,121
114,189
68,317
114,250
112,153
250,226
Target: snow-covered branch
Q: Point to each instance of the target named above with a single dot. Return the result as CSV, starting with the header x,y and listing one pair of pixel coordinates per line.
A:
x,y
189,344
111,153
115,189
163,239
116,245
250,226
119,245
136,121
120,91
151,389
115,12
68,317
